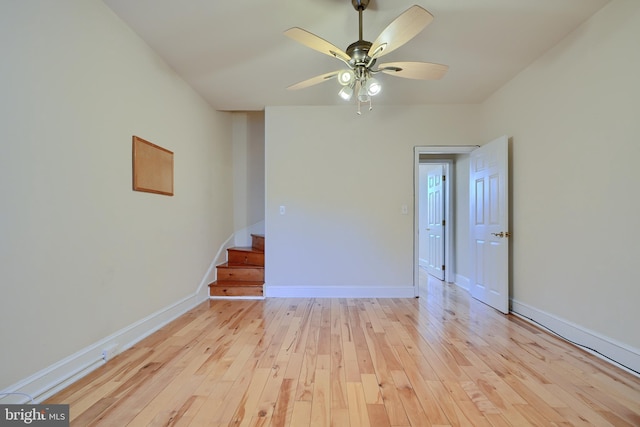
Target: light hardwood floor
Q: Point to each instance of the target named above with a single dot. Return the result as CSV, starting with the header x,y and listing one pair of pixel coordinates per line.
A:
x,y
442,359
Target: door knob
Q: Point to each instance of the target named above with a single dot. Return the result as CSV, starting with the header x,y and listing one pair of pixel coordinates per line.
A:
x,y
502,234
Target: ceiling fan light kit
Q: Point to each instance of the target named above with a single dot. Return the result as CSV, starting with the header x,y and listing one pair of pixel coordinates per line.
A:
x,y
361,56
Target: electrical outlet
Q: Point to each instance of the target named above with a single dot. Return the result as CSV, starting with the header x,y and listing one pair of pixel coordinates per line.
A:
x,y
109,352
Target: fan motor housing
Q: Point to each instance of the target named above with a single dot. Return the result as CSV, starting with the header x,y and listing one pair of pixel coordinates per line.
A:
x,y
358,52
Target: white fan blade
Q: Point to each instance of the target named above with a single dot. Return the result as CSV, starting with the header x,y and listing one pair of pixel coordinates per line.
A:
x,y
317,43
401,30
414,70
314,80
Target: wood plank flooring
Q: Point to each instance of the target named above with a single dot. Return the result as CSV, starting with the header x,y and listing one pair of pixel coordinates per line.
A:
x,y
441,360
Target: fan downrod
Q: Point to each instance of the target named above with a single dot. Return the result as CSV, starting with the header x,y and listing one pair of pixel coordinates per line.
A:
x,y
358,50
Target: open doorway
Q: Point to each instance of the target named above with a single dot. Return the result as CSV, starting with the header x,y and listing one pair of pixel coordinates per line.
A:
x,y
434,210
433,216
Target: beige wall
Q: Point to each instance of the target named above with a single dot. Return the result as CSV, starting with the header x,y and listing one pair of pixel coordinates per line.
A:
x,y
82,255
344,179
573,119
248,174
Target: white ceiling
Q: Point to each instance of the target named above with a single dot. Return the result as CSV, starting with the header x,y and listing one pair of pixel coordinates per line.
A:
x,y
235,55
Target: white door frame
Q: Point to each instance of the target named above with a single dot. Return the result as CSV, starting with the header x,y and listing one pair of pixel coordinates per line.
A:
x,y
450,184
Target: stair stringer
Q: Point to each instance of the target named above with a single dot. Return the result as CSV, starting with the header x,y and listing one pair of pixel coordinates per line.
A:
x,y
211,274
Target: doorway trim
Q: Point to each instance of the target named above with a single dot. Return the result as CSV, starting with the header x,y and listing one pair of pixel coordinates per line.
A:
x,y
450,186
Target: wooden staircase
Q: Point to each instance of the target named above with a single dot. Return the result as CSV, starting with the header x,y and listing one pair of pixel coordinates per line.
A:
x,y
243,273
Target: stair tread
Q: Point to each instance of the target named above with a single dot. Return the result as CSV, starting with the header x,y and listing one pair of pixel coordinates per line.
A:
x,y
233,283
246,249
227,265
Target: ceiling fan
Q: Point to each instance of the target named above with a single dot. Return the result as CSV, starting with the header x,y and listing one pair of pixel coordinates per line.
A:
x,y
361,56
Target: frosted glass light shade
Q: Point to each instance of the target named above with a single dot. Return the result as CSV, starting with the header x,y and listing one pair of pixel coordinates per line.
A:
x,y
346,77
346,93
373,86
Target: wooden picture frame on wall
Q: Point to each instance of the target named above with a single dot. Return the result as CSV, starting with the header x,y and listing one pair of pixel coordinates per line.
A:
x,y
152,168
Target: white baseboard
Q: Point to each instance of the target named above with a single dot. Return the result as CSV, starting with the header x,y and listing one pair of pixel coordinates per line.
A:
x,y
463,282
339,291
49,381
610,350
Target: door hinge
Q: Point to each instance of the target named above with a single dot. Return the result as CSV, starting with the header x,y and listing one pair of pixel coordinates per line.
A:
x,y
444,178
443,222
442,267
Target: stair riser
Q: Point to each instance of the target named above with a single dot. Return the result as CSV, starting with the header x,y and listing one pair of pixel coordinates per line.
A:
x,y
244,291
257,242
245,258
241,274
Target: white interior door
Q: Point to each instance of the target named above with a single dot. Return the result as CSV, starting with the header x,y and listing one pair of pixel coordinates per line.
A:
x,y
435,218
488,188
